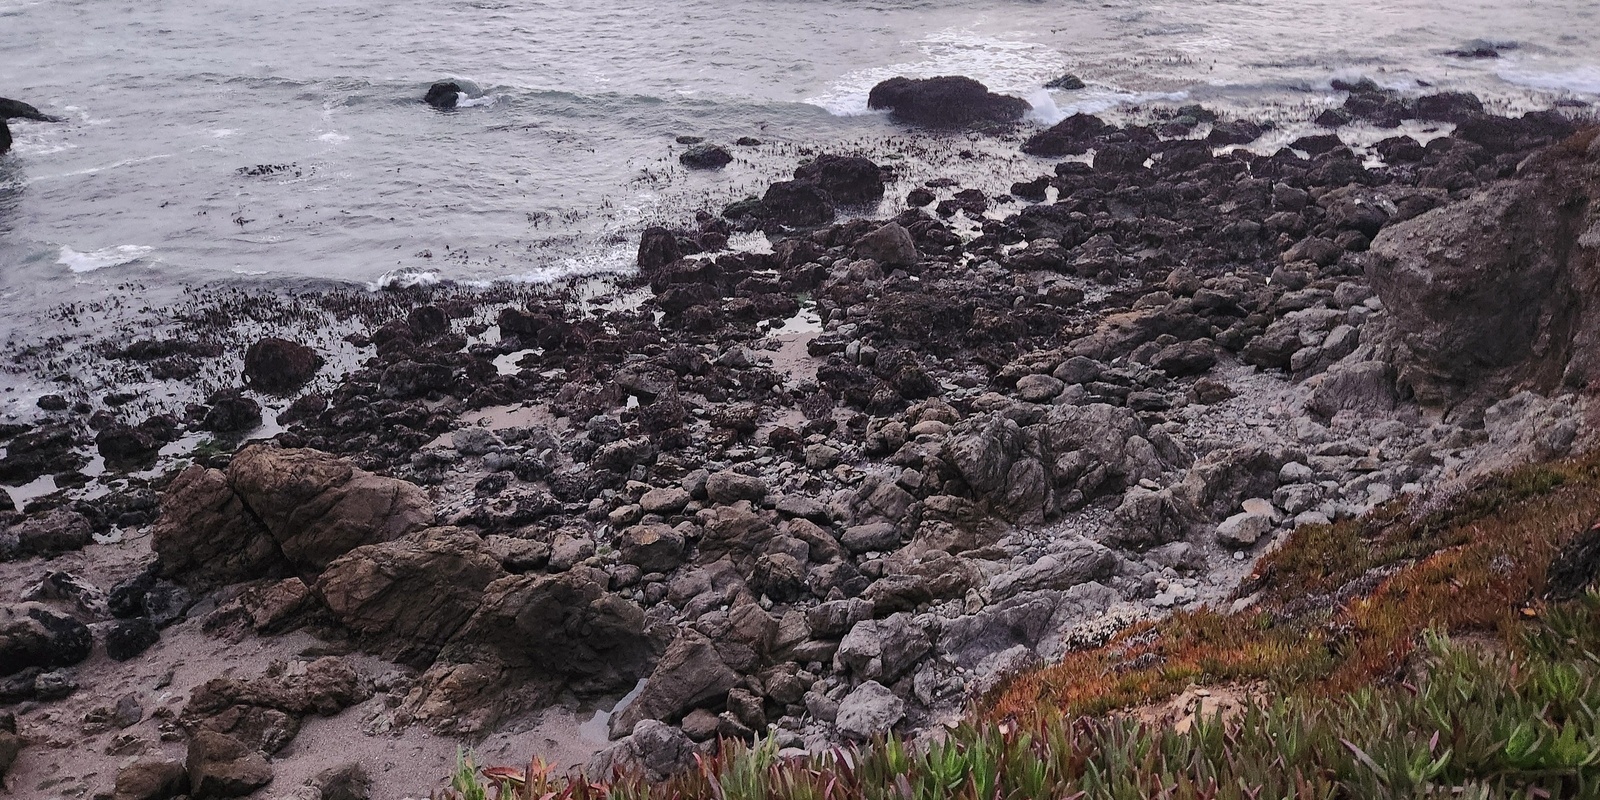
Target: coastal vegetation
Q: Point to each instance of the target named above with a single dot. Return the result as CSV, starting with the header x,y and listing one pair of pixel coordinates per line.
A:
x,y
1410,653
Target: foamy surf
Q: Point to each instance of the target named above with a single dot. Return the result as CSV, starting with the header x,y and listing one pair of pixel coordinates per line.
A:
x,y
1581,80
102,258
405,278
1046,111
1004,65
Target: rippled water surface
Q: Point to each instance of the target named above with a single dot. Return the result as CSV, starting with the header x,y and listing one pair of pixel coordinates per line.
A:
x,y
571,149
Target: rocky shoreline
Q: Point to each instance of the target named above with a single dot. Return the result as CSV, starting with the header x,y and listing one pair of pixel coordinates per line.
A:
x,y
820,490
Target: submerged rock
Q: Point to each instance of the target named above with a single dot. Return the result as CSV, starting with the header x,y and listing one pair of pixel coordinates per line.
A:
x,y
443,95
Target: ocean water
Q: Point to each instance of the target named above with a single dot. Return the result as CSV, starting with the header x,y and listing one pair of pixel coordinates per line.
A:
x,y
154,180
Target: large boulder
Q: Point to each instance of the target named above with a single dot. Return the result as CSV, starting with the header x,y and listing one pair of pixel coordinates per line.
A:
x,y
883,649
690,675
32,635
151,778
373,590
654,748
566,627
658,247
277,511
317,507
849,180
1501,290
869,710
279,366
797,204
890,245
207,537
1041,621
60,531
1075,561
945,102
1072,136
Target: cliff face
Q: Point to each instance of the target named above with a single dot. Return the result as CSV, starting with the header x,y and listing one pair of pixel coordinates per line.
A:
x,y
1502,291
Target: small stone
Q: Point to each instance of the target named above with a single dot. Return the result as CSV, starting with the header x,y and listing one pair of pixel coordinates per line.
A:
x,y
566,551
1039,388
877,536
1244,529
821,456
869,710
128,712
728,487
669,500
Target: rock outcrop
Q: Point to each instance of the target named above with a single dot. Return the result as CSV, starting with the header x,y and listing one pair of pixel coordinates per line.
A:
x,y
945,102
278,511
1501,290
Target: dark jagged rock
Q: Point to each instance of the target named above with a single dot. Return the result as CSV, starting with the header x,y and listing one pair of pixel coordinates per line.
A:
x,y
658,247
45,450
1448,106
126,639
848,180
443,95
797,204
1502,289
15,109
32,635
945,102
1318,144
279,366
124,445
705,156
1072,136
60,531
230,411
1235,132
1575,567
1121,158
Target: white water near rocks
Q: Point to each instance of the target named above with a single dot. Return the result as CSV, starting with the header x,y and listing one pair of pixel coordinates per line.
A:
x,y
155,179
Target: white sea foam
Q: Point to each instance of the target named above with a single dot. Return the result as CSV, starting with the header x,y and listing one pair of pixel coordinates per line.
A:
x,y
1047,111
1583,80
334,137
469,102
102,258
619,258
93,170
405,278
